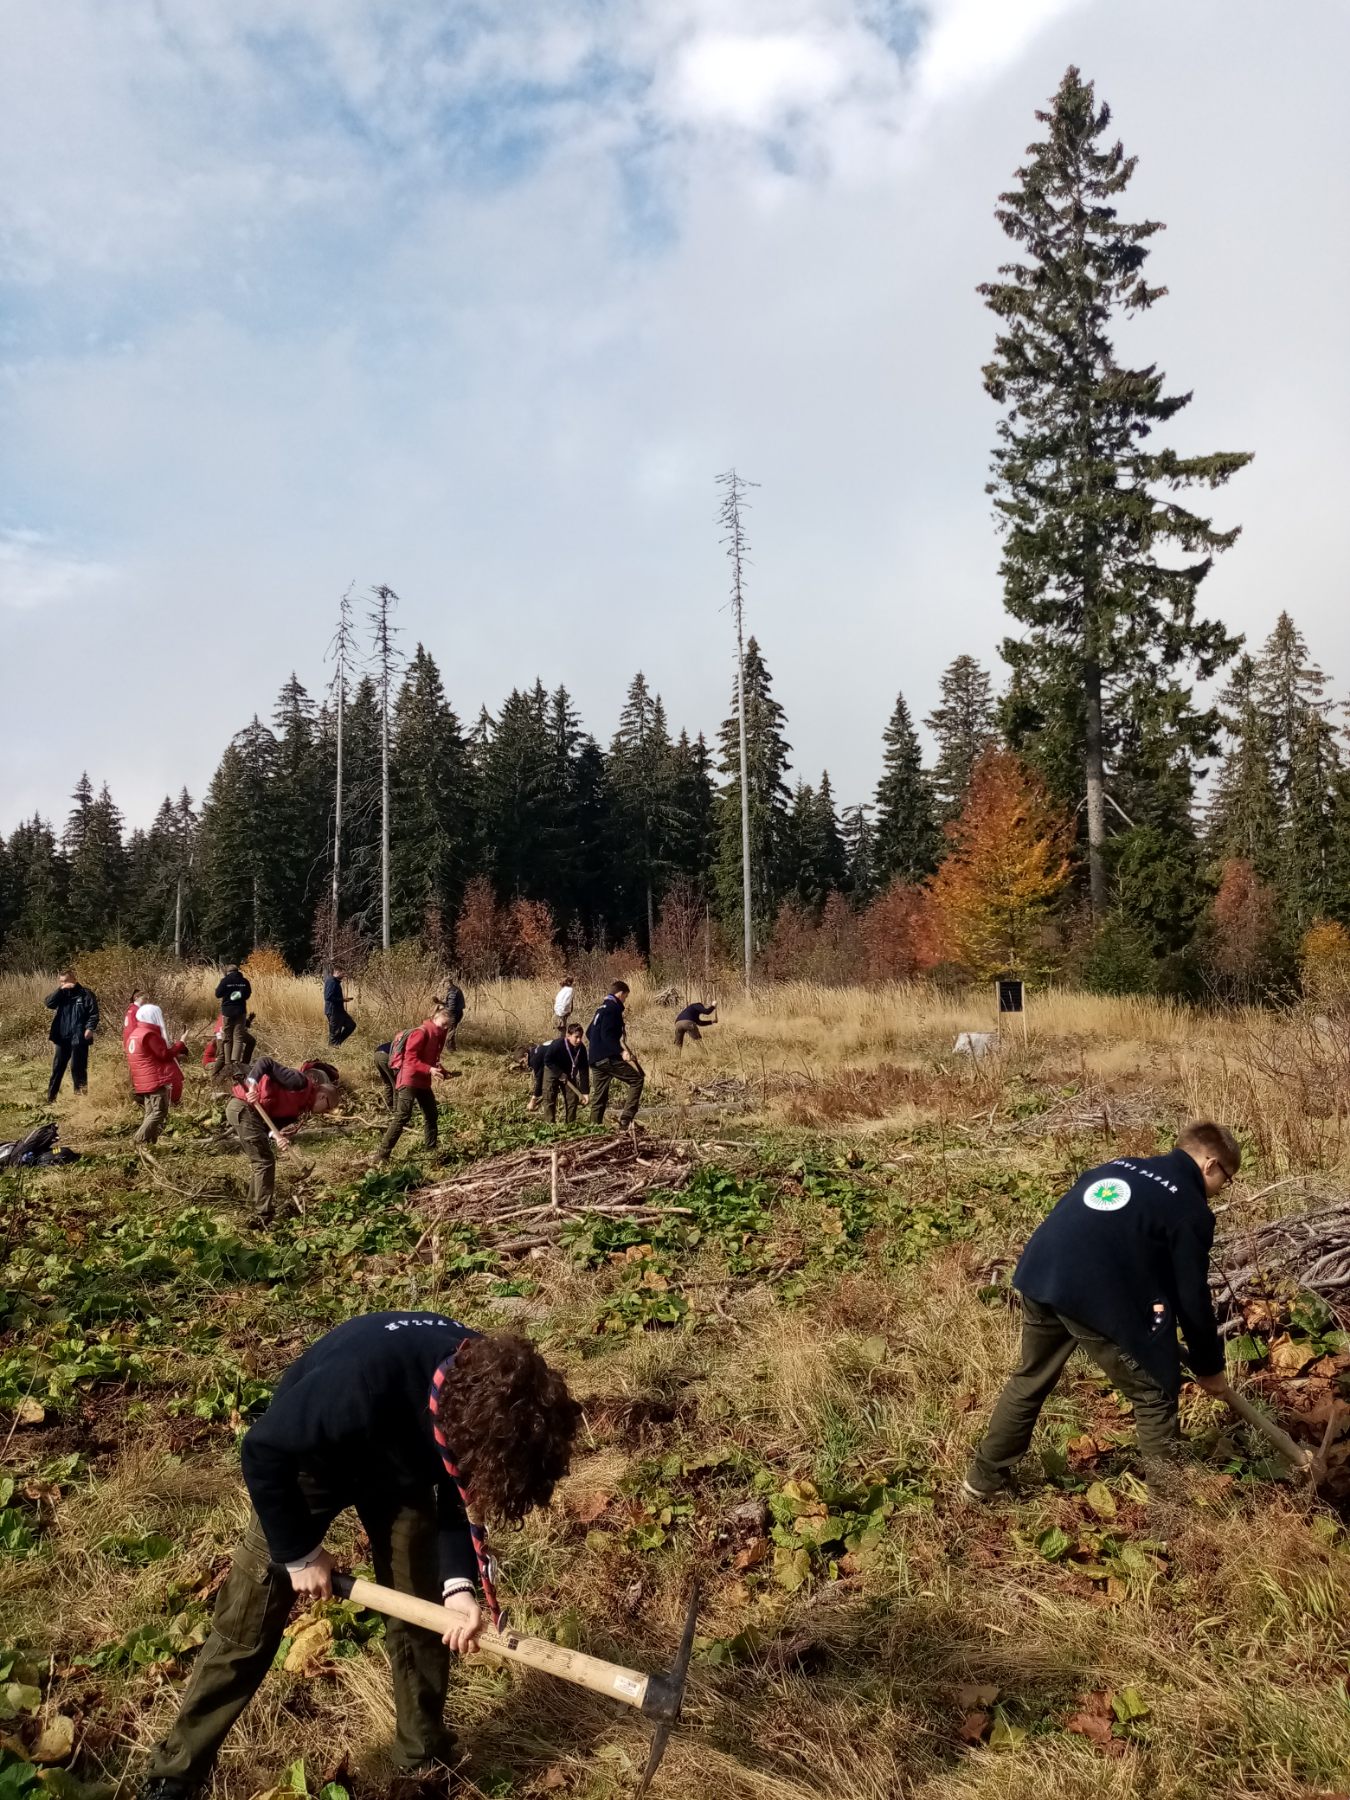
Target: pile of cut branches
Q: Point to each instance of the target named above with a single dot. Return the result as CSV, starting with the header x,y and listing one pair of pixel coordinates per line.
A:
x,y
522,1200
1304,1253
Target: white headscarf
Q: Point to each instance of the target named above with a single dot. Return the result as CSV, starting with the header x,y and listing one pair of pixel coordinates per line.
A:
x,y
151,1015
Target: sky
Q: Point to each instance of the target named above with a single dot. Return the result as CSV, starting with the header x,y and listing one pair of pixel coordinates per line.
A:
x,y
477,300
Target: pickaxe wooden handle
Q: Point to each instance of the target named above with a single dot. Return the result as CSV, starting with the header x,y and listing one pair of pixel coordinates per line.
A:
x,y
1301,1458
657,1696
262,1113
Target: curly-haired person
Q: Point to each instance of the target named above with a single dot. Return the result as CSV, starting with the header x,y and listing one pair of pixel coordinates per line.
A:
x,y
403,1416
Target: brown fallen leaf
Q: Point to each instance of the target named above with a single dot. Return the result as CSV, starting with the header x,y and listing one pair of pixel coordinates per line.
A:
x,y
56,1741
29,1411
309,1648
1097,1730
587,1508
752,1555
551,1780
972,1696
1288,1358
973,1727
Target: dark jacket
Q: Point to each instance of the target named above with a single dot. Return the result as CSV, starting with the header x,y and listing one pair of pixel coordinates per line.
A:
x,y
354,1413
1126,1252
333,1001
233,993
454,1003
76,1011
605,1035
569,1064
697,1014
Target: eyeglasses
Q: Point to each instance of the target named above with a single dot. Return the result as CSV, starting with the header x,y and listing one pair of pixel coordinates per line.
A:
x,y
1229,1175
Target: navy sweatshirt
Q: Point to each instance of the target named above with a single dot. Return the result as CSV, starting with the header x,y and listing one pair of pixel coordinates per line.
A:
x,y
352,1412
605,1036
233,994
696,1014
333,998
1130,1237
569,1062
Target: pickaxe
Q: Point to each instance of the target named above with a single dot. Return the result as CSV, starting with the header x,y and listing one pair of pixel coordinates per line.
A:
x,y
657,1697
1307,1462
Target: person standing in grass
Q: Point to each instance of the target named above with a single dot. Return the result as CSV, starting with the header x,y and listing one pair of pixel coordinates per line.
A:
x,y
412,1420
72,1032
563,1002
1119,1264
156,1070
341,1024
610,1058
286,1096
693,1022
454,1006
415,1067
233,993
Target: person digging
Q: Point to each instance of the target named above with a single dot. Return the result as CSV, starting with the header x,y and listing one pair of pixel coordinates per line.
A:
x,y
422,1426
1119,1264
610,1058
265,1111
414,1067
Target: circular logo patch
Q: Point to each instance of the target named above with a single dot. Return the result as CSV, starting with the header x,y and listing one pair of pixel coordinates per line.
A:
x,y
1107,1196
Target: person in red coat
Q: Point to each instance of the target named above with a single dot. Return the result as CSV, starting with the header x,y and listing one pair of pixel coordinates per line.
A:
x,y
418,1066
284,1096
156,1072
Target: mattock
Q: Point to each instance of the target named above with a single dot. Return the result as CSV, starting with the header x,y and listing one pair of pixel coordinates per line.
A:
x,y
658,1697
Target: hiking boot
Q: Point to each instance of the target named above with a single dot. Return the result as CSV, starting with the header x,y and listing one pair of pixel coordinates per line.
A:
x,y
969,1494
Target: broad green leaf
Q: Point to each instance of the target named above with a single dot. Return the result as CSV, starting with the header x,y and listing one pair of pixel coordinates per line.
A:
x,y
1005,1735
1054,1544
1101,1500
1128,1705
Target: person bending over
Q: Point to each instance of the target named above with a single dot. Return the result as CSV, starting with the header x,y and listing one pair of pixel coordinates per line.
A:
x,y
286,1096
1119,1264
355,1423
611,1059
693,1021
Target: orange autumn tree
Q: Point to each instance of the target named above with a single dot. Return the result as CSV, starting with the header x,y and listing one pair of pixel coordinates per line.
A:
x,y
1007,862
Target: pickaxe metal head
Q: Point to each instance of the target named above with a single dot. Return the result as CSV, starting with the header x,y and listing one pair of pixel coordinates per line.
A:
x,y
664,1698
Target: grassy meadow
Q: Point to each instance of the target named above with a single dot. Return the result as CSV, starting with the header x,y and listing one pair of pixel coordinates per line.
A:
x,y
782,1382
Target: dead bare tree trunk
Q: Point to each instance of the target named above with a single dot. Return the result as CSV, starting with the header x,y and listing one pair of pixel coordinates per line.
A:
x,y
1096,790
341,652
386,658
733,503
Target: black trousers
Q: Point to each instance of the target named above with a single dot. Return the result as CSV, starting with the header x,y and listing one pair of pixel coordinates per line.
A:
x,y
74,1056
341,1025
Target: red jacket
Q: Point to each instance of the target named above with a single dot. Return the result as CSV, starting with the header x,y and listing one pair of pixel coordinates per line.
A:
x,y
152,1062
421,1054
285,1094
212,1049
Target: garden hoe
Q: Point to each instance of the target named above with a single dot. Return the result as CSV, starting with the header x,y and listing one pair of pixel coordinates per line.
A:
x,y
657,1697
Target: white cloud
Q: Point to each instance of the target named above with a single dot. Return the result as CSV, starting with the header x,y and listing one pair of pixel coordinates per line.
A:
x,y
34,572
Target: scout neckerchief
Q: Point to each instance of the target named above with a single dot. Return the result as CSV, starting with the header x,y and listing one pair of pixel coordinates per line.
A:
x,y
477,1534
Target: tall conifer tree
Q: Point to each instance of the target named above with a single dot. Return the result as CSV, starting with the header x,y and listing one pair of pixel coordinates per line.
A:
x,y
1083,495
906,836
964,726
766,766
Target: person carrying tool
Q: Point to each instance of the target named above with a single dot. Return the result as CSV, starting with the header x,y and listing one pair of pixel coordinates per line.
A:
x,y
341,1024
233,993
565,1068
423,1427
693,1021
1116,1267
454,1006
265,1111
72,1032
156,1070
531,1058
563,1002
415,1067
611,1059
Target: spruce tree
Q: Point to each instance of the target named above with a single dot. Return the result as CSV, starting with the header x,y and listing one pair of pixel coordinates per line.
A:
x,y
859,853
693,834
815,846
238,847
433,802
766,767
906,835
963,725
518,788
1244,820
297,824
641,775
40,935
96,866
1289,690
1083,497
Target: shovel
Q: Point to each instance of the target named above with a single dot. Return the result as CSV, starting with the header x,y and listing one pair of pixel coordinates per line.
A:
x,y
657,1697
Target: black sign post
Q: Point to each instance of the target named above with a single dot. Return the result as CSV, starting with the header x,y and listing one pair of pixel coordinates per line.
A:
x,y
1011,994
